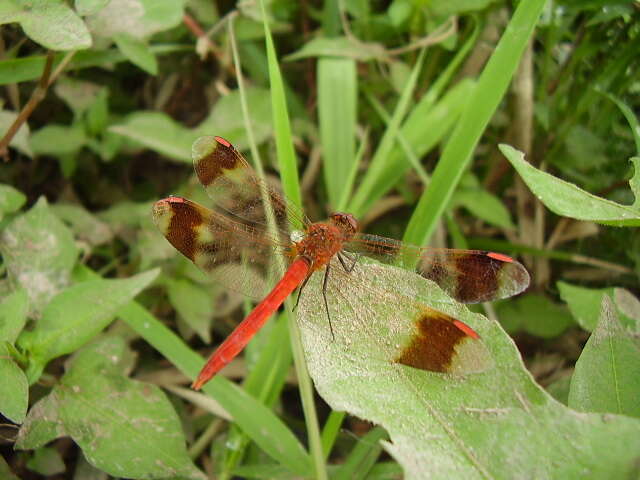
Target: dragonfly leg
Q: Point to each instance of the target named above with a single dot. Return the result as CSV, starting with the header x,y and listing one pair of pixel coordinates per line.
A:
x,y
354,260
304,284
324,295
300,292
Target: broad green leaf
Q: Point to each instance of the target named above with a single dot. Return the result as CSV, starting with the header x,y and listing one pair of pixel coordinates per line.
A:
x,y
98,114
485,206
585,304
535,314
606,376
161,133
79,95
14,388
13,315
58,140
39,253
137,436
193,303
79,313
560,389
338,47
89,7
337,112
226,118
143,19
564,198
137,51
84,224
399,12
494,424
21,139
11,200
50,23
42,424
46,461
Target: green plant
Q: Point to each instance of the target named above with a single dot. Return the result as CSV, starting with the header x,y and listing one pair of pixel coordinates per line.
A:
x,y
101,103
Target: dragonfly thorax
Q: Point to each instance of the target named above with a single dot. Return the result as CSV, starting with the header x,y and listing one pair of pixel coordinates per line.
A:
x,y
321,243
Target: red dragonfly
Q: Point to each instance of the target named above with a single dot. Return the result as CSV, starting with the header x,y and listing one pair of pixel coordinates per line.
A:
x,y
237,233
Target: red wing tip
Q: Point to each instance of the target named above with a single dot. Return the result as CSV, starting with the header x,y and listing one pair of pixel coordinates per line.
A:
x,y
171,199
466,329
500,256
222,142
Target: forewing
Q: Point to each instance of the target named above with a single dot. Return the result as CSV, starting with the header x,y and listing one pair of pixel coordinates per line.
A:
x,y
469,276
218,244
235,188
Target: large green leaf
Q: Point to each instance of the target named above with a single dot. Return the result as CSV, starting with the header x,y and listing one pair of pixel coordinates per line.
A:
x,y
159,132
564,198
14,386
585,304
42,425
46,461
84,224
10,199
493,424
535,314
58,139
194,304
607,377
137,51
124,427
143,17
78,314
50,23
39,253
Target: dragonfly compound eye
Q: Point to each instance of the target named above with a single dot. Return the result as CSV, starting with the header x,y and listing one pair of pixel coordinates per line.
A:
x,y
346,222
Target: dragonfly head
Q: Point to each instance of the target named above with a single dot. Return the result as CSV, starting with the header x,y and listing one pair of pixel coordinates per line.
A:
x,y
346,222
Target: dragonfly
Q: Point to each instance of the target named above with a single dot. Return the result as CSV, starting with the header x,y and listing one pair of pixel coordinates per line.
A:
x,y
253,226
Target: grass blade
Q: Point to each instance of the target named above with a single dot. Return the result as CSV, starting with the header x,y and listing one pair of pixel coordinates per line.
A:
x,y
337,100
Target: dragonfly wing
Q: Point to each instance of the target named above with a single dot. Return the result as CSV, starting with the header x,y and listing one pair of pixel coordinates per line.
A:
x,y
218,244
235,188
469,276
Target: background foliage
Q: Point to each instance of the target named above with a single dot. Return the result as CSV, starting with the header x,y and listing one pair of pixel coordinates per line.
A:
x,y
394,111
